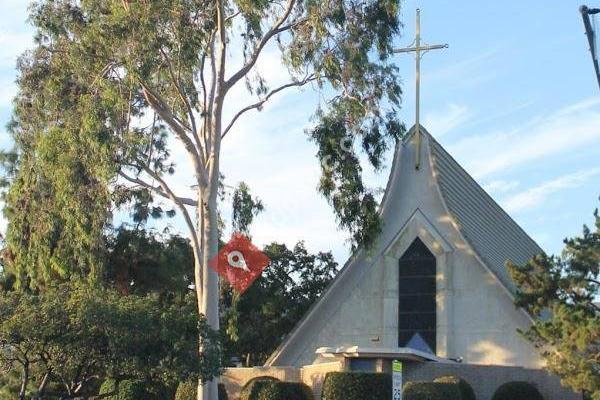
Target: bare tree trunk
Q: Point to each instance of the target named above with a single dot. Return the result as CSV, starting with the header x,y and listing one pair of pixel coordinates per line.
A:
x,y
209,210
210,246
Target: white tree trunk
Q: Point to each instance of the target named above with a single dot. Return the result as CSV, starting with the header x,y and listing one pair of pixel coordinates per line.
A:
x,y
209,298
209,302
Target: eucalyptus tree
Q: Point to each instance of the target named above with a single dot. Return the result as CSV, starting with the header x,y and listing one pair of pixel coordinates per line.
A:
x,y
128,75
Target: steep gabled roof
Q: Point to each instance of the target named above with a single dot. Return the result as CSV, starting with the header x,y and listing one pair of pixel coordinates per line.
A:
x,y
490,231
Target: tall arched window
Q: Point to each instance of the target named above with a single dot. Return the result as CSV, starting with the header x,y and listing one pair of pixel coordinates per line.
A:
x,y
417,308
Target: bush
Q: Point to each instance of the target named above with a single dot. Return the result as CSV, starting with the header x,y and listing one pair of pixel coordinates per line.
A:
x,y
357,386
188,391
275,390
431,391
128,390
517,391
249,386
466,390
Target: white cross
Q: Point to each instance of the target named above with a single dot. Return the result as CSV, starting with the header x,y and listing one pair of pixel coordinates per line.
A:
x,y
417,49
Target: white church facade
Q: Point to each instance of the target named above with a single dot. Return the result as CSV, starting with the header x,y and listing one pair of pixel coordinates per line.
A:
x,y
432,292
434,286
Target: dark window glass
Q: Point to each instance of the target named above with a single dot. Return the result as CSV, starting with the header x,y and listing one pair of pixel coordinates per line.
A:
x,y
363,364
417,285
418,321
417,288
417,303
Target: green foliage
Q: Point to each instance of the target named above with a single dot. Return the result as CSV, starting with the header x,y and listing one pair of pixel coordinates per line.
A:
x,y
466,390
189,391
125,390
431,391
560,293
275,302
79,332
269,389
58,201
517,391
100,67
250,388
142,262
357,386
245,208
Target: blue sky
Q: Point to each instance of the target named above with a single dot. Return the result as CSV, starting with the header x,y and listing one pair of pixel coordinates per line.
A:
x,y
514,100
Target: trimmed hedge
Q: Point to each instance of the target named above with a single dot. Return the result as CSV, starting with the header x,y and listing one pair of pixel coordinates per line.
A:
x,y
517,390
431,391
189,390
128,390
249,386
466,390
275,390
357,386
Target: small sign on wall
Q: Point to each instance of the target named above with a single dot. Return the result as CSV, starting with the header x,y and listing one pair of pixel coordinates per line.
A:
x,y
396,380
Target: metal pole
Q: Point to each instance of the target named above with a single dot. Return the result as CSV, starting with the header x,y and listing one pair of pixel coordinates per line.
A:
x,y
418,90
585,14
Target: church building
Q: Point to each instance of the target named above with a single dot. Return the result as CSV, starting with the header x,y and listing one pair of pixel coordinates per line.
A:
x,y
434,286
432,292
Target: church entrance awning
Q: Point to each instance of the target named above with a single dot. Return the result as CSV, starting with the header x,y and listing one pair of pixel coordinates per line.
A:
x,y
397,353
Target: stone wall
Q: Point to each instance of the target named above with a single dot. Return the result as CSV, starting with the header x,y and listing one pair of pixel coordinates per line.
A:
x,y
314,375
234,379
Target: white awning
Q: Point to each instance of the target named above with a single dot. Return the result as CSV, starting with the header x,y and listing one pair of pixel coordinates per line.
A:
x,y
397,353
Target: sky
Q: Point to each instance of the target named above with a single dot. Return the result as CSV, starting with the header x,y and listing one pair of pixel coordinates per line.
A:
x,y
513,99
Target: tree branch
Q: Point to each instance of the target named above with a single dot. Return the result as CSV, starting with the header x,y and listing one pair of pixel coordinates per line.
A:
x,y
175,199
184,200
259,104
186,104
275,29
161,109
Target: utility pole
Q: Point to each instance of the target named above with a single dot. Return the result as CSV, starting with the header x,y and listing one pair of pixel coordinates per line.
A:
x,y
591,35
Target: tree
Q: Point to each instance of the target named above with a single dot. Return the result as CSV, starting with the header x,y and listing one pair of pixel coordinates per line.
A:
x,y
110,82
560,293
66,341
256,323
142,261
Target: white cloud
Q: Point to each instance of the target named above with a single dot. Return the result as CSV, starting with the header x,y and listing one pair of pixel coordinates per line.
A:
x,y
460,68
569,128
440,122
534,196
500,186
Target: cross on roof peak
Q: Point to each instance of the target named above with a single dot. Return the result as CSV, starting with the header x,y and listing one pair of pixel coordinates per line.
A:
x,y
419,50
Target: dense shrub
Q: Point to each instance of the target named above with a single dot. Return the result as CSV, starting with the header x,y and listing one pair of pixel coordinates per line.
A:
x,y
431,391
275,390
188,391
249,386
357,386
466,390
128,390
517,390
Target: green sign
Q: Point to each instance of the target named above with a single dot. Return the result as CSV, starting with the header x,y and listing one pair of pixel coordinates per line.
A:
x,y
396,380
